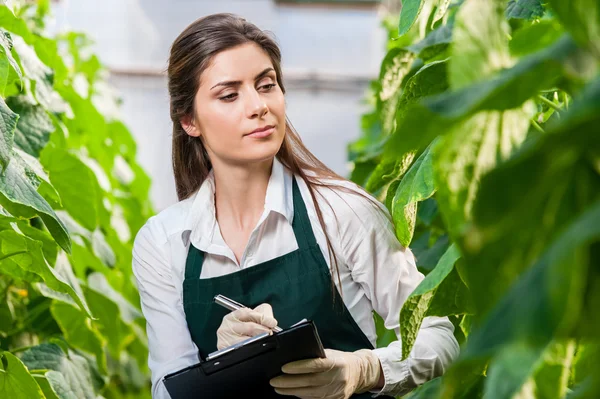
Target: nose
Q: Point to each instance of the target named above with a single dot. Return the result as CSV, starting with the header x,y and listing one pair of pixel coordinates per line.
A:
x,y
256,106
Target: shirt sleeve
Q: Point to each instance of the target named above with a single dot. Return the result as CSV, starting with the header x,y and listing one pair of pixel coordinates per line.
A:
x,y
388,274
170,345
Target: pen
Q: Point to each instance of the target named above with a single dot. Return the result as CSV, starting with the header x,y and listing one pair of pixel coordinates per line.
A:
x,y
233,305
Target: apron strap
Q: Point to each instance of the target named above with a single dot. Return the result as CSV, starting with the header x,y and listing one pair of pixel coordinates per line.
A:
x,y
193,263
301,222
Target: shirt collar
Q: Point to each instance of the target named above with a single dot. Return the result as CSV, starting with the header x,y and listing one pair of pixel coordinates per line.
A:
x,y
201,220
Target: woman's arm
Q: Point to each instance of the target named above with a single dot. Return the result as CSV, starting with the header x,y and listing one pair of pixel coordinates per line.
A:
x,y
388,274
169,341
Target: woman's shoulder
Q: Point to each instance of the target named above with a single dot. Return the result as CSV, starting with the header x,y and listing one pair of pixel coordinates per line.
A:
x,y
344,202
169,221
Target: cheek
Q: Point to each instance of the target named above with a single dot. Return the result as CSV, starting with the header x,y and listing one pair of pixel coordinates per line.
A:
x,y
220,122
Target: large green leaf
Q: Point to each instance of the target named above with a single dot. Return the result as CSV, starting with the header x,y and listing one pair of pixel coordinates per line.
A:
x,y
110,322
73,377
510,87
8,124
15,380
547,299
76,183
511,369
32,260
34,125
468,151
18,194
552,172
433,115
480,43
417,185
582,19
79,331
417,306
409,14
535,37
524,9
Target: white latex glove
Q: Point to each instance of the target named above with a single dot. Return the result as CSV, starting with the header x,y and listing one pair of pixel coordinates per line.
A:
x,y
339,376
244,323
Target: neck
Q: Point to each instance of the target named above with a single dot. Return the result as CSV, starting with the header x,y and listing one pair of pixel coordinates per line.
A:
x,y
240,192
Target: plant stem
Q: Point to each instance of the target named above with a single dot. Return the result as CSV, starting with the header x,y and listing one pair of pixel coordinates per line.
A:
x,y
537,126
549,103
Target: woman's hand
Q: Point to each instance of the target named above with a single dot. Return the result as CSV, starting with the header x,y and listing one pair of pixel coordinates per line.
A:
x,y
244,323
338,376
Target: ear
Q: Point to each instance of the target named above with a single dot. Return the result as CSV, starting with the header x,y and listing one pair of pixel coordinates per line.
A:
x,y
190,126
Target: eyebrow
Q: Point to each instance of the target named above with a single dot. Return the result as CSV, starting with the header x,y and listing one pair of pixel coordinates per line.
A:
x,y
239,82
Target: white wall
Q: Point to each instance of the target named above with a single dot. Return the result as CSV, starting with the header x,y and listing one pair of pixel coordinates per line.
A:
x,y
344,43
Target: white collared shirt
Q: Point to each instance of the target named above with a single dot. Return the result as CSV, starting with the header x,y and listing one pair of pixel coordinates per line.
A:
x,y
377,273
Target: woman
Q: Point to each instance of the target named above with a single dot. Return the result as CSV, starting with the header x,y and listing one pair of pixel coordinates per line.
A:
x,y
262,221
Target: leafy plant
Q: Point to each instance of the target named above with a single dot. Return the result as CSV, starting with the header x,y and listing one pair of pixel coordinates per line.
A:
x,y
484,144
71,199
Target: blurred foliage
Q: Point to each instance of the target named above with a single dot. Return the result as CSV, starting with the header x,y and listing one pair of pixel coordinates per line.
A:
x,y
484,143
72,197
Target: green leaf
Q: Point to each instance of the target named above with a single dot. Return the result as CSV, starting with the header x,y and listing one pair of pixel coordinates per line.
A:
x,y
554,174
34,125
49,247
479,45
72,378
8,124
45,188
417,185
420,123
552,377
14,24
109,322
409,14
442,7
97,281
435,43
547,298
33,261
416,307
79,331
582,19
6,47
37,73
468,151
18,194
75,182
509,371
524,9
429,80
509,88
536,37
430,389
394,68
15,380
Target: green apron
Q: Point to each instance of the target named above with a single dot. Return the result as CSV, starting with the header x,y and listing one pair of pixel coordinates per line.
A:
x,y
297,286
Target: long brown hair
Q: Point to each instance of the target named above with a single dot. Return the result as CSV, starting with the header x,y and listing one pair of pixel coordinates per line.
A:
x,y
190,55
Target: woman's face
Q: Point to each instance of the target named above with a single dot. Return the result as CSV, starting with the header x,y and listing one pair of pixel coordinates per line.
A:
x,y
238,94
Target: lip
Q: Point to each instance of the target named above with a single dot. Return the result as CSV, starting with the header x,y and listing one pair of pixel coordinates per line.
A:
x,y
262,132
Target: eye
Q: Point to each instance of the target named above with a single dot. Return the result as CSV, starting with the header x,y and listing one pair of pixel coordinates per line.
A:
x,y
229,97
268,87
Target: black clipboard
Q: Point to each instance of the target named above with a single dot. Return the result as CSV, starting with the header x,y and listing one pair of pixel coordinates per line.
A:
x,y
247,369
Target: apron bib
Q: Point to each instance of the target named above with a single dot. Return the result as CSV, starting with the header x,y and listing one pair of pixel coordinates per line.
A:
x,y
297,285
